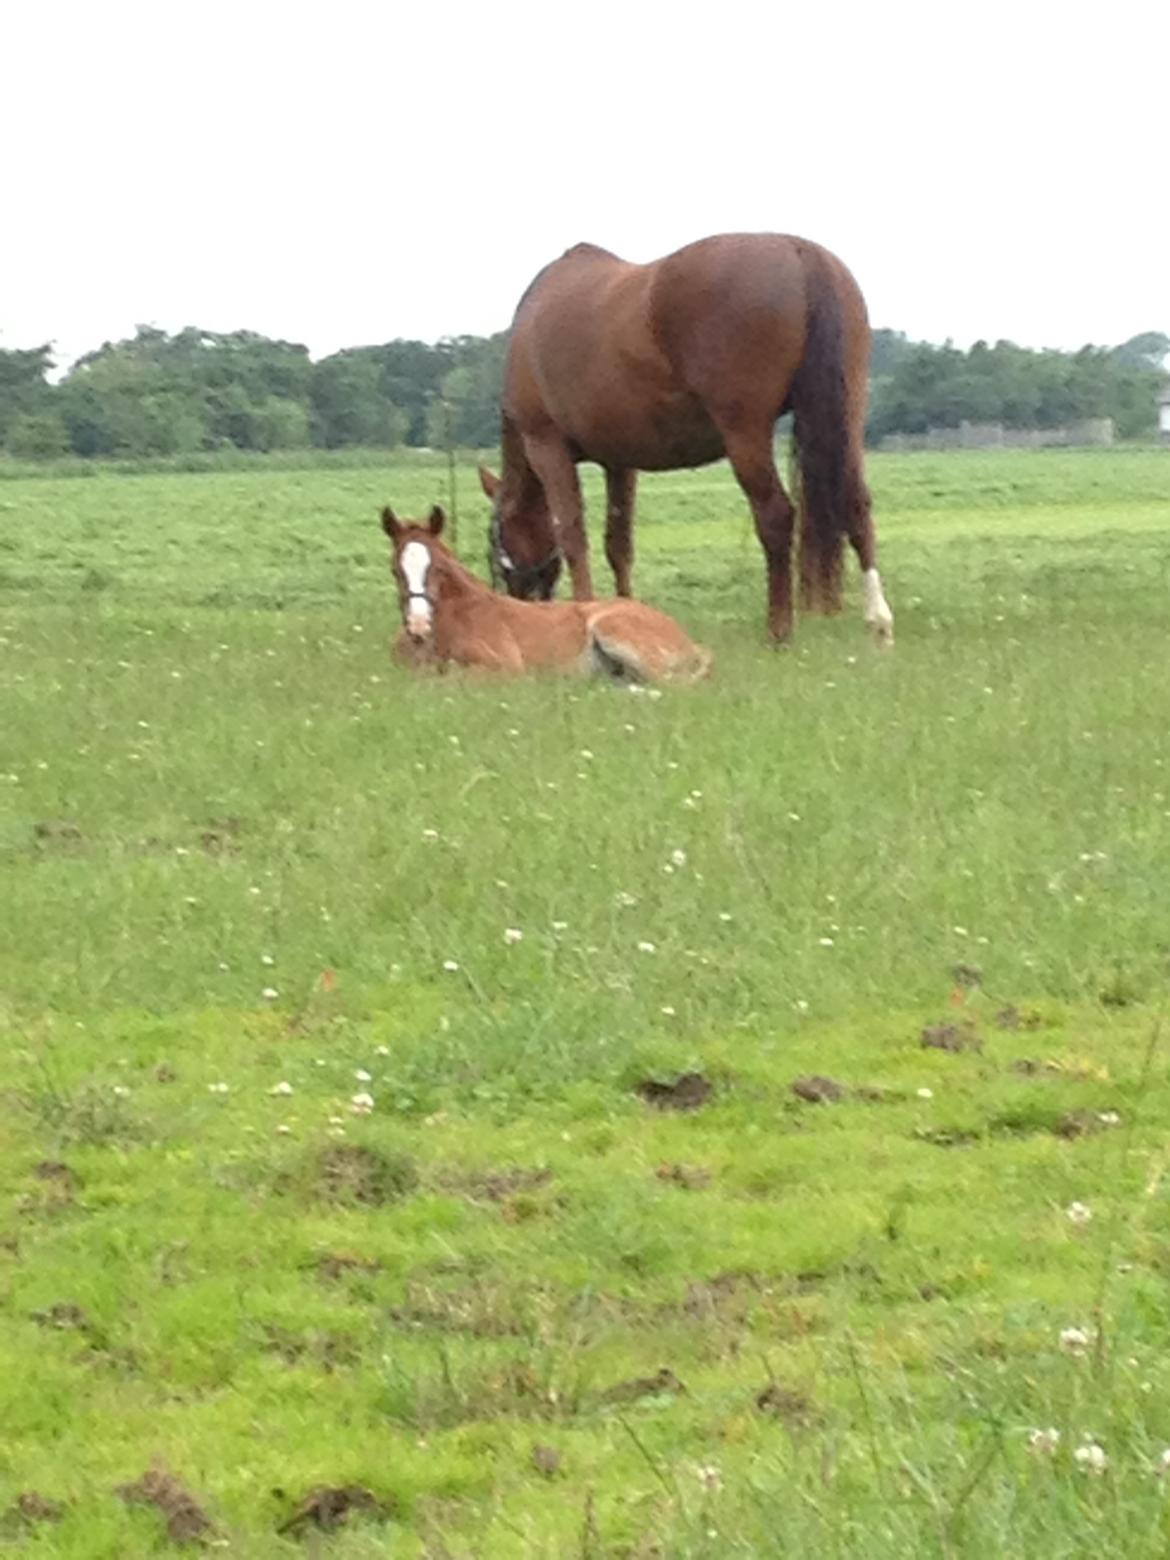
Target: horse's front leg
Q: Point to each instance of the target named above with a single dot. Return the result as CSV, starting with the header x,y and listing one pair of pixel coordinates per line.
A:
x,y
619,526
556,471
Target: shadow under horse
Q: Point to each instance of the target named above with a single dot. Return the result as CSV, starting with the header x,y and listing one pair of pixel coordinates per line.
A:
x,y
679,363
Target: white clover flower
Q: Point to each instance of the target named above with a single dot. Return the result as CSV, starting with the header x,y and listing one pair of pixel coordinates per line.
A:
x,y
647,947
381,1050
1075,1340
284,1129
1108,1118
1162,1465
1078,1213
825,942
560,926
668,1011
679,858
362,1076
1046,1441
450,966
1091,1458
924,1093
121,1090
362,1104
513,934
270,993
284,1087
710,1478
217,1088
266,958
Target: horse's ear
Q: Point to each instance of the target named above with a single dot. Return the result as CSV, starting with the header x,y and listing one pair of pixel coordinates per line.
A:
x,y
489,482
391,523
436,520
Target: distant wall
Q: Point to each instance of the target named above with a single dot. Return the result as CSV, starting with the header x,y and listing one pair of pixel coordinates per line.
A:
x,y
994,436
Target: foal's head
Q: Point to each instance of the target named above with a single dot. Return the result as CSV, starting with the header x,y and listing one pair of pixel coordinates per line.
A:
x,y
419,563
523,555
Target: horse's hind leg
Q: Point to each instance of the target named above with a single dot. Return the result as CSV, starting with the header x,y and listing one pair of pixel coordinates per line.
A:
x,y
557,474
619,522
755,469
878,617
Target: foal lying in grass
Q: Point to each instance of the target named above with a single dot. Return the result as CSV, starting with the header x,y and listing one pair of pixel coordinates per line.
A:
x,y
450,616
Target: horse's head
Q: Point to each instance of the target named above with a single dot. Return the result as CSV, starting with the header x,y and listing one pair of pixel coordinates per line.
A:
x,y
418,564
523,554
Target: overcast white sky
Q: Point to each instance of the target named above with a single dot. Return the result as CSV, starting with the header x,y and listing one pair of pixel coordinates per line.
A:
x,y
341,173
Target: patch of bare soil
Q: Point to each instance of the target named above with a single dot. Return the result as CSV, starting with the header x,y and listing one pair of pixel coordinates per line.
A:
x,y
495,1185
955,1038
948,1137
186,1521
692,1178
57,833
546,1460
352,1173
336,1264
727,1296
327,1350
793,1407
221,836
663,1380
327,1508
689,1091
1010,1017
64,1316
29,1510
55,1191
815,1090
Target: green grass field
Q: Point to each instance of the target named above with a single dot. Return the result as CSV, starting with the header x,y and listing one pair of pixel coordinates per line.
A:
x,y
250,870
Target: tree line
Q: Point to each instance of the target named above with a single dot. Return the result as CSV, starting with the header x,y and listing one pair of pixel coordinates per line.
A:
x,y
196,390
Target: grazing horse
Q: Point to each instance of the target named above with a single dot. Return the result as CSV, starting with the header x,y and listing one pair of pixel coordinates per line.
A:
x,y
448,615
678,363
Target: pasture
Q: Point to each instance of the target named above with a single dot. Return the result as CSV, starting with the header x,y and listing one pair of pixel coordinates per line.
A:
x,y
341,1015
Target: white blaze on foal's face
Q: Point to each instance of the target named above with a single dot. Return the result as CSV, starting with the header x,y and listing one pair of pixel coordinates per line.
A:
x,y
415,563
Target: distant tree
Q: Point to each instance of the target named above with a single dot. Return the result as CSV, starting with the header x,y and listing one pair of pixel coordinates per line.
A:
x,y
281,424
349,405
1149,350
37,436
24,385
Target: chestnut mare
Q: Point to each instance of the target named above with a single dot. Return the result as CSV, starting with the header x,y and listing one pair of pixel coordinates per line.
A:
x,y
448,615
678,363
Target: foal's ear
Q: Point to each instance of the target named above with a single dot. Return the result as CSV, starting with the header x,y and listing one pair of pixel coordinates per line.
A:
x,y
391,523
489,482
436,520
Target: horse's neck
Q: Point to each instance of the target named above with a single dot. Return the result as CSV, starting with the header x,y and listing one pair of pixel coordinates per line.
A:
x,y
519,481
459,584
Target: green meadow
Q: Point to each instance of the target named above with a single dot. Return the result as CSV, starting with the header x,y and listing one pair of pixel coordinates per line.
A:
x,y
399,1146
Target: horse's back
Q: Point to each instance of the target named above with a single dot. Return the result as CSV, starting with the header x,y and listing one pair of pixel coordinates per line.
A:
x,y
640,366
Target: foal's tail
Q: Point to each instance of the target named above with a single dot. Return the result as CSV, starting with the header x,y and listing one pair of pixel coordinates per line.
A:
x,y
828,405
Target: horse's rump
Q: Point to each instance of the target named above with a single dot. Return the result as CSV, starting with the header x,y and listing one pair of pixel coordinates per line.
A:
x,y
632,640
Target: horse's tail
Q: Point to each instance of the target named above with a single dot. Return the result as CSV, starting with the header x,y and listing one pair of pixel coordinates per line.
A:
x,y
828,406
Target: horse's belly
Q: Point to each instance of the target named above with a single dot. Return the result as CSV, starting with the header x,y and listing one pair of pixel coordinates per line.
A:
x,y
672,436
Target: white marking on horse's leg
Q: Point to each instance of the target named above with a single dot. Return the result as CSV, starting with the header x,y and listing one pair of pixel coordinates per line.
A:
x,y
878,617
415,561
